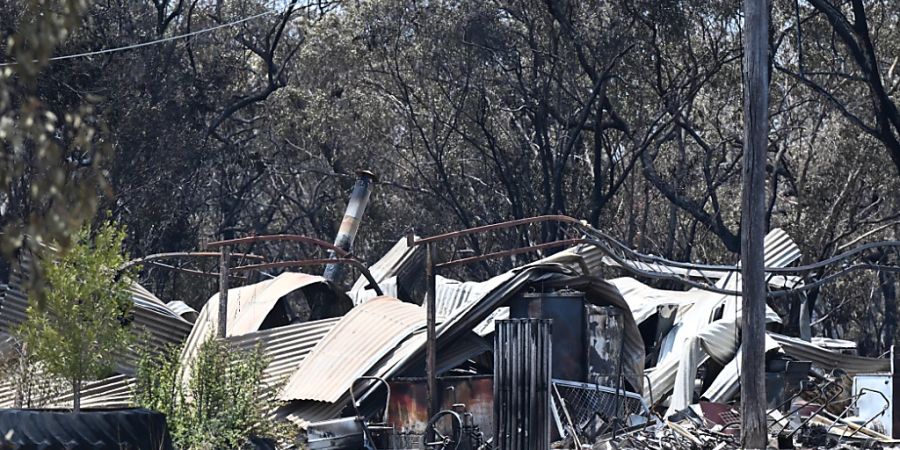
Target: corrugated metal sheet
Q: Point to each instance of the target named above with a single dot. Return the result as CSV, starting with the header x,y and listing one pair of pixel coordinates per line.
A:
x,y
248,307
15,302
359,340
151,315
776,281
451,295
303,412
116,391
644,300
183,310
720,340
726,385
677,369
822,357
401,265
113,392
475,306
284,347
522,354
153,322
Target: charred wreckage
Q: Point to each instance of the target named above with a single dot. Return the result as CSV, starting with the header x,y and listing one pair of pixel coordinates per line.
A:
x,y
549,354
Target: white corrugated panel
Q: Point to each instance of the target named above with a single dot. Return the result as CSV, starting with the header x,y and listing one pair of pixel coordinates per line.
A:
x,y
694,315
399,263
644,300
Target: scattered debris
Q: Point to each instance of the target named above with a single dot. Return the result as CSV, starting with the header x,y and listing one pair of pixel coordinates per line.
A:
x,y
627,365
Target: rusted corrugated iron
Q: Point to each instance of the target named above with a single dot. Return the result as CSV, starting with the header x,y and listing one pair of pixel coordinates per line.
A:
x,y
248,307
522,355
284,347
359,340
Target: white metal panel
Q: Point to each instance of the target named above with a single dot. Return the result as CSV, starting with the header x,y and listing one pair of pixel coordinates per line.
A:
x,y
872,406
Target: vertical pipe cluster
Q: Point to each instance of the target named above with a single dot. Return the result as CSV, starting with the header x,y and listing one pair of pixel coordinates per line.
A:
x,y
356,207
522,352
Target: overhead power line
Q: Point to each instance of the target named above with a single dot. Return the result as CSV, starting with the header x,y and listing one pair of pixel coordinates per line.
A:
x,y
154,42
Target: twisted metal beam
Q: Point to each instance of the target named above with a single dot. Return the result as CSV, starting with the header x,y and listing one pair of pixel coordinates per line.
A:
x,y
701,276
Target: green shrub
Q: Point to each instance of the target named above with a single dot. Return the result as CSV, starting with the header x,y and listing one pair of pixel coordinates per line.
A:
x,y
224,403
75,328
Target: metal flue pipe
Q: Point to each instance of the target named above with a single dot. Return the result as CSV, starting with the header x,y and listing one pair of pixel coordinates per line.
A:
x,y
356,207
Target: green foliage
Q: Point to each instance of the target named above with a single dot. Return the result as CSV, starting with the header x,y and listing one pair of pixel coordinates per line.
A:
x,y
50,170
224,403
33,387
78,331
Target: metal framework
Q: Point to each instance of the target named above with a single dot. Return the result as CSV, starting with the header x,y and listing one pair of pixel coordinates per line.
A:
x,y
568,231
878,256
342,258
154,261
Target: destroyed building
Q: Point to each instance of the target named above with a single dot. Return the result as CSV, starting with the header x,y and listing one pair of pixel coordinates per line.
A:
x,y
549,351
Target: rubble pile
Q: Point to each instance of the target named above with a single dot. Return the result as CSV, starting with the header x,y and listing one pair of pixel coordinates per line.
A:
x,y
623,364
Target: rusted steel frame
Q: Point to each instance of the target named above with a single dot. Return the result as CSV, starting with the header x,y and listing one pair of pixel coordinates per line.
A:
x,y
515,251
190,271
179,255
496,226
281,237
315,262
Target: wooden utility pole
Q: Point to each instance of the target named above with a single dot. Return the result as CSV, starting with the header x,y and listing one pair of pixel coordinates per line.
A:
x,y
223,292
753,318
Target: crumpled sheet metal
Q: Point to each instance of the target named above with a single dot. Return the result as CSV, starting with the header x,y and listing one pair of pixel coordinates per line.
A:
x,y
559,271
303,412
248,307
727,384
284,347
153,320
469,306
359,340
402,263
183,310
644,300
829,359
776,281
695,314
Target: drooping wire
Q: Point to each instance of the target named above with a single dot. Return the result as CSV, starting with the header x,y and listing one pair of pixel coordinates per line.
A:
x,y
153,42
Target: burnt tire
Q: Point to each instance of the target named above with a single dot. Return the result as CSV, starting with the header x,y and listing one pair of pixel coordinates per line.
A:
x,y
113,429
